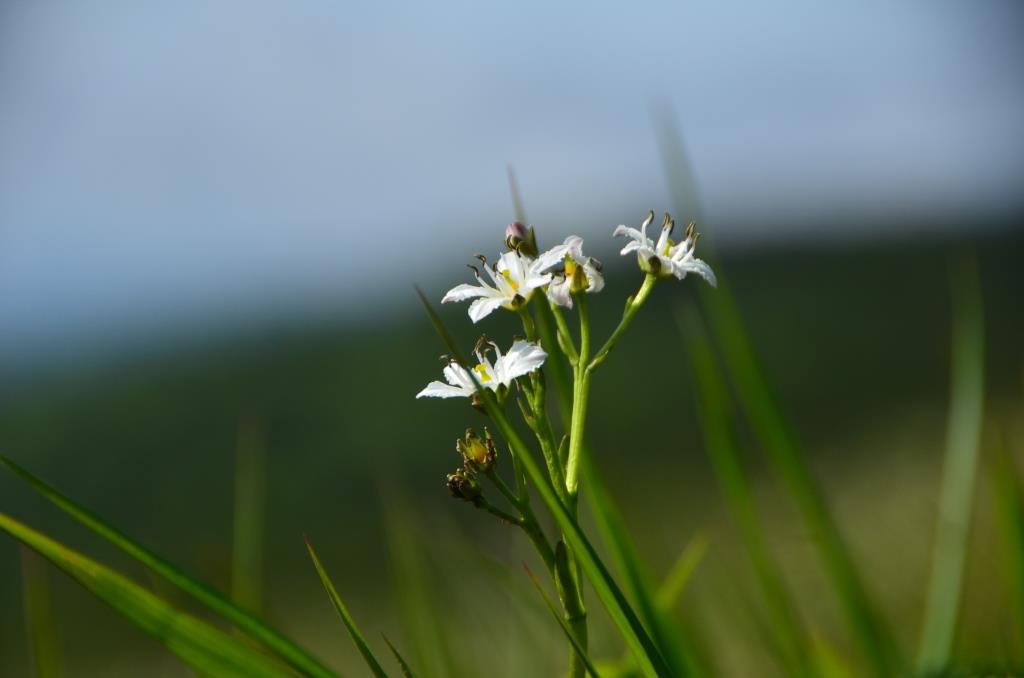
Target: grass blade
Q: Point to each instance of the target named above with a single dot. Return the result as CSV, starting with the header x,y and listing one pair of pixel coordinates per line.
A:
x,y
785,629
406,671
231,612
346,618
201,646
963,437
648,657
39,624
1010,511
787,458
770,426
679,575
637,581
580,650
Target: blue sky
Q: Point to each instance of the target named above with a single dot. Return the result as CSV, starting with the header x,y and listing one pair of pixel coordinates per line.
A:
x,y
176,163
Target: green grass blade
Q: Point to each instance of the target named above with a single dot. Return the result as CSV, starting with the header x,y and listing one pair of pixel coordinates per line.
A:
x,y
39,623
648,657
956,496
231,612
682,570
1009,498
248,516
346,618
770,427
201,646
785,629
564,625
637,581
412,578
406,671
788,460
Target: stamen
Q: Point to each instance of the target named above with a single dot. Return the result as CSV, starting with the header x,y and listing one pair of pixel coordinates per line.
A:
x,y
648,220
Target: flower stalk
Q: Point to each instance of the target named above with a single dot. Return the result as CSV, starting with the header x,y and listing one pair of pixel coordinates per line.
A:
x,y
560,278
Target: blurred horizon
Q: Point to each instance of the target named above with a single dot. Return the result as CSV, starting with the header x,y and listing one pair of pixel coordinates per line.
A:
x,y
213,166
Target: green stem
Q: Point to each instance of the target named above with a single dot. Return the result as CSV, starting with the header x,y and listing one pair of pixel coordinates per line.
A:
x,y
527,520
580,399
564,336
528,325
633,305
485,505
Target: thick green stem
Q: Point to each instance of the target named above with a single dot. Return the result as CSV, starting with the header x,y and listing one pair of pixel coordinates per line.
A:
x,y
581,396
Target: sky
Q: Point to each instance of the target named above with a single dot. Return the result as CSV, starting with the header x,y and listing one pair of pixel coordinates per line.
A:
x,y
169,165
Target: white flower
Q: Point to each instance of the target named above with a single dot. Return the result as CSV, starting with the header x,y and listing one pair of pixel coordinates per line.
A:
x,y
524,357
666,257
579,272
515,278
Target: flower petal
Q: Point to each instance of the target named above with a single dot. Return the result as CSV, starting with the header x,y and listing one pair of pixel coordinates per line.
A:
x,y
548,260
697,266
483,307
559,292
463,292
439,389
524,357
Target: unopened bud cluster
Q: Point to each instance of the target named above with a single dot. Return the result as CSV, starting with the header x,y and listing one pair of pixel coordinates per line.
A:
x,y
479,455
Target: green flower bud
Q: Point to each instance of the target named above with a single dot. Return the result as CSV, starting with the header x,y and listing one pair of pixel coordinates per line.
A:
x,y
480,454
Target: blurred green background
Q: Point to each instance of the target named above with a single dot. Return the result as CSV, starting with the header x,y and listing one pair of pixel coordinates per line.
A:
x,y
206,269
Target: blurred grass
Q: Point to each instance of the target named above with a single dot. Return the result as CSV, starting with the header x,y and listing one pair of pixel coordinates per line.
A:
x,y
956,496
40,624
204,648
784,628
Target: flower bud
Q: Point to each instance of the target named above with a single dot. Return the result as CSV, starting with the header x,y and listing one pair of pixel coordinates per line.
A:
x,y
462,486
521,239
480,454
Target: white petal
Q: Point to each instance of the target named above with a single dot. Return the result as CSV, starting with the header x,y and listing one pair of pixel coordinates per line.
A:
x,y
535,281
631,246
463,292
438,389
548,260
524,357
629,232
558,292
697,266
483,307
594,277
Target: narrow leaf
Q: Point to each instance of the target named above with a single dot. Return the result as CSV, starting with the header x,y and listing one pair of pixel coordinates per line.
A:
x,y
580,650
956,496
627,561
681,571
644,650
346,618
231,612
201,646
39,623
784,628
406,671
770,426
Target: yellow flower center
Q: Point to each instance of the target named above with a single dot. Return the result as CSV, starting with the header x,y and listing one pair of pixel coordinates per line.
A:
x,y
511,282
570,267
482,371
